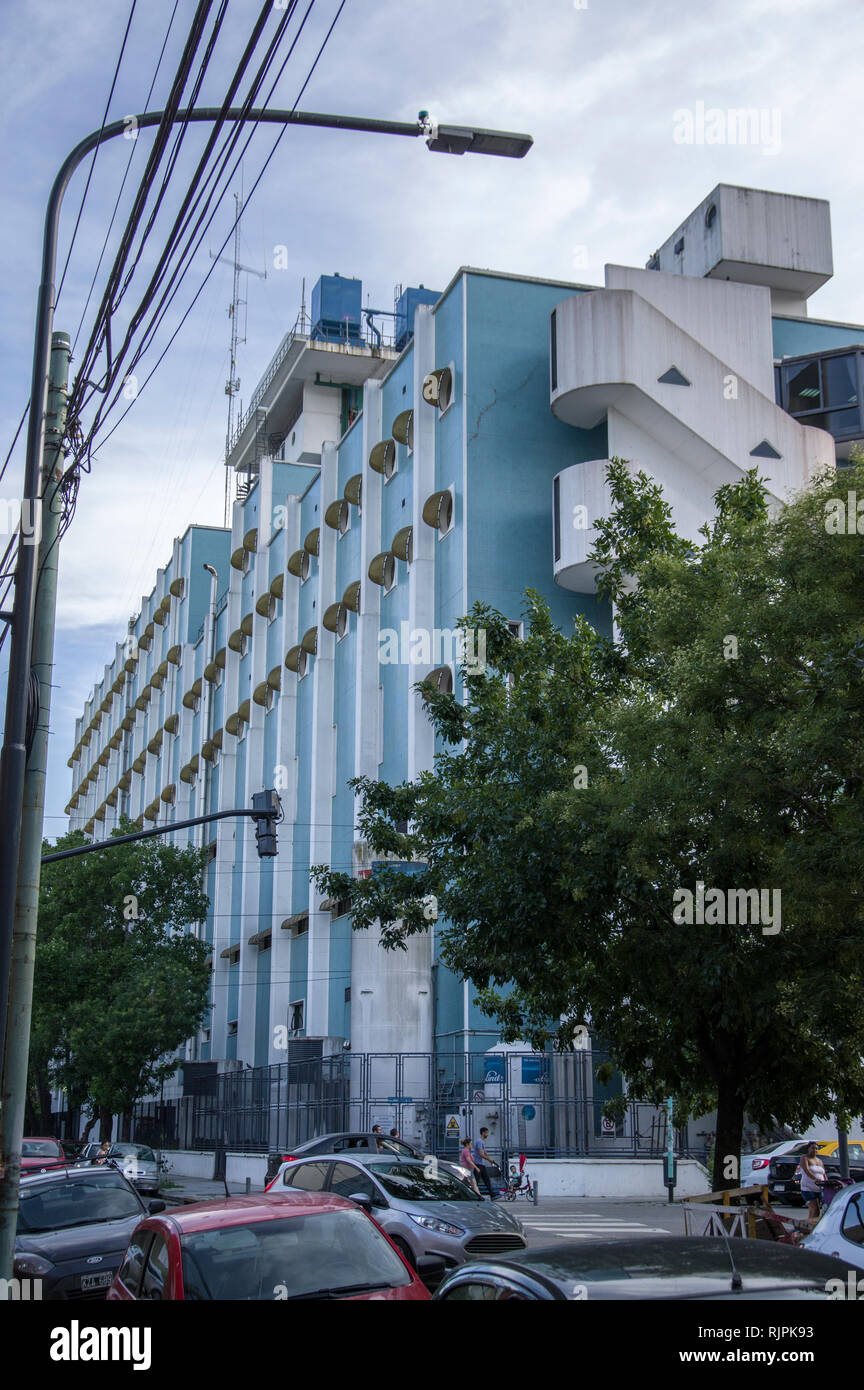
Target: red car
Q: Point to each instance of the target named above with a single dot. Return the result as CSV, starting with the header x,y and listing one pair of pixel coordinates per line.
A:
x,y
288,1245
38,1155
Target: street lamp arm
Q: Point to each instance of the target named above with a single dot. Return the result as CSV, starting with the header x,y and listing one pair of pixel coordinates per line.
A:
x,y
156,830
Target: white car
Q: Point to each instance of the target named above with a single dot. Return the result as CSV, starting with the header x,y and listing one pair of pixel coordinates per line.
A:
x,y
841,1230
754,1167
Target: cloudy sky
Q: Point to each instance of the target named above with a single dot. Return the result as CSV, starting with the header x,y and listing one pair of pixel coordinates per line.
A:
x,y
600,86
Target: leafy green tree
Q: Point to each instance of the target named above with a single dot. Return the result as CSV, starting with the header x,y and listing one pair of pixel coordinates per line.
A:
x,y
717,740
120,982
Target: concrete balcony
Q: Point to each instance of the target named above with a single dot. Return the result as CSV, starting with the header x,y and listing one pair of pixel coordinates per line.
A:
x,y
581,497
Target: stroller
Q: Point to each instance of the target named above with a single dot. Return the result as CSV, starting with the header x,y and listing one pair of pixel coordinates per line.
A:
x,y
518,1182
832,1185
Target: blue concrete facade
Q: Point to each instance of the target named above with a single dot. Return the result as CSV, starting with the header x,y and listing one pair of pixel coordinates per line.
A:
x,y
266,675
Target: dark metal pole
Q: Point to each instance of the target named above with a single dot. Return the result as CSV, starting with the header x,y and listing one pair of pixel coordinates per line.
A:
x,y
843,1152
157,830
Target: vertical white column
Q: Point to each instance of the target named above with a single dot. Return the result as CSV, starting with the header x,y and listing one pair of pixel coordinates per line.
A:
x,y
421,581
367,672
323,755
284,779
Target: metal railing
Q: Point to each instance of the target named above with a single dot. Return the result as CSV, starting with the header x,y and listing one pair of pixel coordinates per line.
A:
x,y
546,1107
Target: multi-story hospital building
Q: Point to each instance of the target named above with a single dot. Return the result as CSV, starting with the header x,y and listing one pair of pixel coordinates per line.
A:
x,y
386,480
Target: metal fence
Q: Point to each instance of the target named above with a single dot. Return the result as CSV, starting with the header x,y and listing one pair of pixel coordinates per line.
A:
x,y
544,1106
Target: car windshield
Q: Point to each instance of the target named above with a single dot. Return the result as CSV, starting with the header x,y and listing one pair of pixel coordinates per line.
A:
x,y
132,1151
414,1182
329,1252
57,1206
41,1148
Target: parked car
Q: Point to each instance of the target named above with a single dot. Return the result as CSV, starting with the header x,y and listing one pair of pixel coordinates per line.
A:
x,y
360,1142
645,1268
784,1172
754,1166
840,1231
137,1161
291,1245
38,1155
73,1149
429,1216
73,1227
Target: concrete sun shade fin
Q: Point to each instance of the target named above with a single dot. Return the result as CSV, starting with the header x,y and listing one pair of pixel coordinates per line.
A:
x,y
351,596
354,489
403,428
437,387
383,457
402,544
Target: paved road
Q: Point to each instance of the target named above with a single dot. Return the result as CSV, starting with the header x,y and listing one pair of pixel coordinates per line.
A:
x,y
570,1219
555,1220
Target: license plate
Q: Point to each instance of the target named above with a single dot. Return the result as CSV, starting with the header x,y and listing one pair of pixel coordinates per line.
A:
x,y
97,1281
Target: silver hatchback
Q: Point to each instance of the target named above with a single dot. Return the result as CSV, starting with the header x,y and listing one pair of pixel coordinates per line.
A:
x,y
429,1214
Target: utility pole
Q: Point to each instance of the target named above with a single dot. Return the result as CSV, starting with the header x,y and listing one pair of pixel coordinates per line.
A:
x,y
232,385
14,1081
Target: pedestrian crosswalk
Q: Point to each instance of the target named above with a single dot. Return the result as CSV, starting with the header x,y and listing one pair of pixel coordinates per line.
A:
x,y
589,1226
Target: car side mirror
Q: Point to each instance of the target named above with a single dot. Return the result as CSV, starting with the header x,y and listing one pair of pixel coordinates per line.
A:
x,y
362,1199
155,1206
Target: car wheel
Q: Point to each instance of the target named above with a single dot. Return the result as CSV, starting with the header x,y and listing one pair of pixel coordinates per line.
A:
x,y
404,1250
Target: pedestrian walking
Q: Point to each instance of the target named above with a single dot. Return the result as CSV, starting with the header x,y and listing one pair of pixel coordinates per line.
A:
x,y
812,1179
483,1162
104,1150
467,1161
394,1134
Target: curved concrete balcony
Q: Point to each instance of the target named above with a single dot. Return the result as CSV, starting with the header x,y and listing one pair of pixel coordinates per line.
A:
x,y
617,356
581,497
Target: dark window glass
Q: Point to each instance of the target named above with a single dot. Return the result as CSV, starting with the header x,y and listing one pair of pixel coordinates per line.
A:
x,y
292,1257
133,1262
345,1180
554,350
802,386
155,1282
852,1225
412,1182
836,422
472,1293
839,383
40,1148
310,1177
556,516
77,1204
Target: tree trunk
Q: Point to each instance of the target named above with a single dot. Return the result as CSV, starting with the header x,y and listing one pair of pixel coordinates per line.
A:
x,y
106,1123
87,1128
727,1139
126,1127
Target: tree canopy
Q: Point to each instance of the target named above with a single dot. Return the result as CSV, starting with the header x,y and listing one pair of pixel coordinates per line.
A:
x,y
120,982
603,810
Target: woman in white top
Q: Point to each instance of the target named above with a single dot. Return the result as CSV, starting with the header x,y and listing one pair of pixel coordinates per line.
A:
x,y
812,1178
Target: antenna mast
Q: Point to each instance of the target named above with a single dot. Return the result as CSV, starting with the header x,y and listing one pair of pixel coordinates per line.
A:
x,y
232,385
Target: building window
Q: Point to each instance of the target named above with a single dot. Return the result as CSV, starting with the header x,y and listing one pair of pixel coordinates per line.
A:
x,y
296,1012
302,664
232,1028
269,699
823,391
272,608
